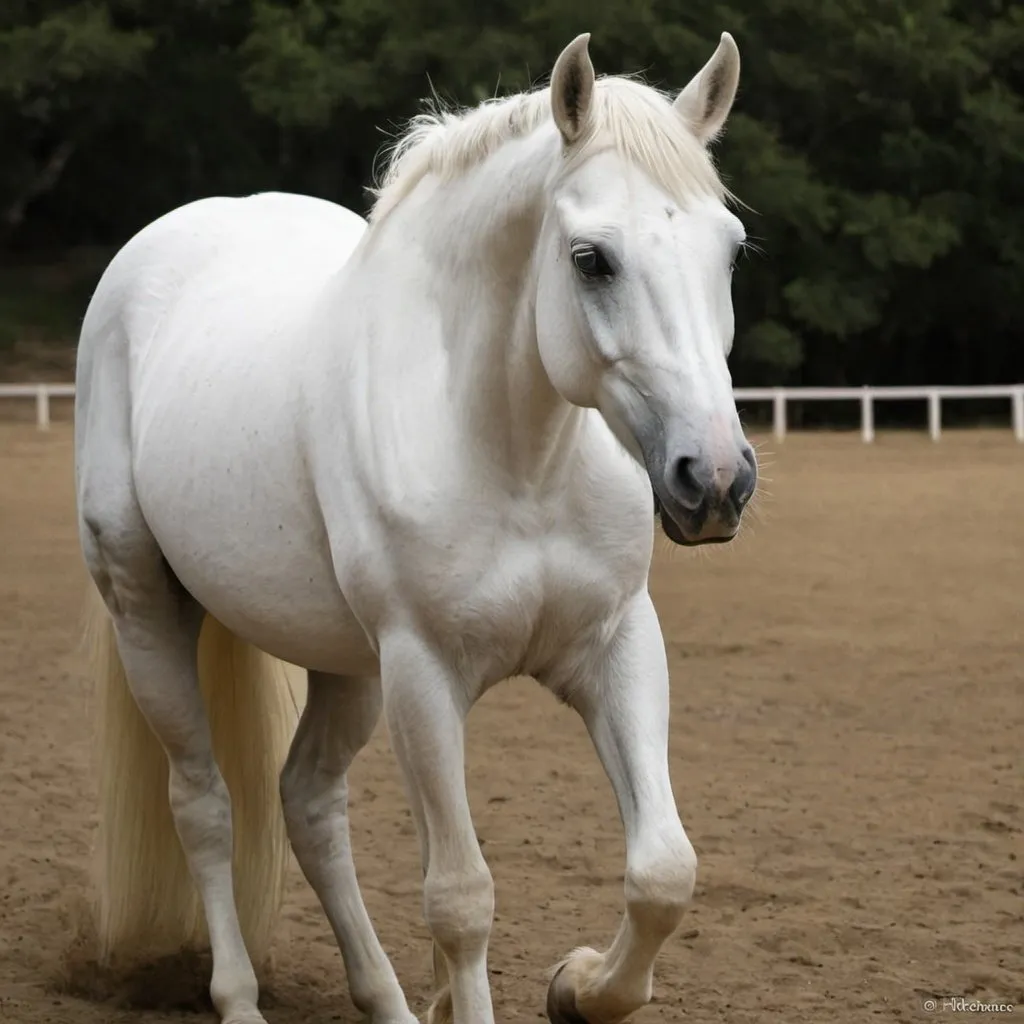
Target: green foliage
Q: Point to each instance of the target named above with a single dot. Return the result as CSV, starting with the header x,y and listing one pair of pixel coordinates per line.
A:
x,y
40,305
876,145
772,344
41,65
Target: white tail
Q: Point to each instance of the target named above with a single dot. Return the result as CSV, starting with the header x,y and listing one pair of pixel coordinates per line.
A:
x,y
146,900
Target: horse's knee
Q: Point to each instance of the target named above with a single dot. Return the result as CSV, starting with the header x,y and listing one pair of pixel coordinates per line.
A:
x,y
658,888
314,806
459,909
294,781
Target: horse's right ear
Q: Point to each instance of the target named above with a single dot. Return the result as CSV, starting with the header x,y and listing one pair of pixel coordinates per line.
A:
x,y
572,89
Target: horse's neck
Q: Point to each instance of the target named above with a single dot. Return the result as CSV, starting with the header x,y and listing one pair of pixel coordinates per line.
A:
x,y
481,234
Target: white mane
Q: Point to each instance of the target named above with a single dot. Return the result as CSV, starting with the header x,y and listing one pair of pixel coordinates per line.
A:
x,y
635,119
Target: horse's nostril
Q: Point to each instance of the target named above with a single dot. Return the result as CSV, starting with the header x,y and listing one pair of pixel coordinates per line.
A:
x,y
742,489
690,491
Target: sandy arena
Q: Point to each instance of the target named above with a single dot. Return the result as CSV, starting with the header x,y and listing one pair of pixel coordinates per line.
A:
x,y
848,719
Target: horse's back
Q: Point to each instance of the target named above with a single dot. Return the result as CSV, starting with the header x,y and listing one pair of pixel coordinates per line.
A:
x,y
259,247
203,313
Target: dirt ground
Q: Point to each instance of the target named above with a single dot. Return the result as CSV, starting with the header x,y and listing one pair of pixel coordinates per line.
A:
x,y
848,715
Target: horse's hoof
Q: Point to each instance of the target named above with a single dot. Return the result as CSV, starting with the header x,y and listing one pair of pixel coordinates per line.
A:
x,y
562,1000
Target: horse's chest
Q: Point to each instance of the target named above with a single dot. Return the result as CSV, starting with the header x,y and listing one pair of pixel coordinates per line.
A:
x,y
524,607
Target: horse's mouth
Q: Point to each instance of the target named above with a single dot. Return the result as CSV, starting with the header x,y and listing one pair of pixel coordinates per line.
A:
x,y
677,534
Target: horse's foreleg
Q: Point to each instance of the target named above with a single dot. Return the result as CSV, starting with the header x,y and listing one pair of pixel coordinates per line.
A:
x,y
337,722
625,705
426,715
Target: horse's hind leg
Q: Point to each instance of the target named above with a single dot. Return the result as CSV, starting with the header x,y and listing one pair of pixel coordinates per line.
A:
x,y
337,722
157,627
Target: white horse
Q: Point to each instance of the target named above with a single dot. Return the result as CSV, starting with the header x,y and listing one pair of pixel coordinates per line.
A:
x,y
414,458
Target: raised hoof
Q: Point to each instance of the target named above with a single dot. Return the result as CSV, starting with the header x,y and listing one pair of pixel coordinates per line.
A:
x,y
562,1001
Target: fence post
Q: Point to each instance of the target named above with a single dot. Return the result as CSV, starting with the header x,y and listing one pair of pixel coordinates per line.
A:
x,y
867,416
934,415
779,414
43,407
1018,413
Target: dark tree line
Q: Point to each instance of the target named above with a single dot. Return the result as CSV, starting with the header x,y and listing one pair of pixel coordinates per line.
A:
x,y
878,143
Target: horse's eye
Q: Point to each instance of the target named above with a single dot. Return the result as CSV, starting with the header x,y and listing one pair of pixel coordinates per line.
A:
x,y
591,262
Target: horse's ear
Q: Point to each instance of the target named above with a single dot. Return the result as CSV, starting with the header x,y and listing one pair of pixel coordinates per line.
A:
x,y
705,103
572,89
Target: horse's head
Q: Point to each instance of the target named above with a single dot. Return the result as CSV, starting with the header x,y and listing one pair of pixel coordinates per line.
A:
x,y
634,305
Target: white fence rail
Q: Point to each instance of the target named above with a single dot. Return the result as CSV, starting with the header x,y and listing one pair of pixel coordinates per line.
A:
x,y
42,393
867,396
779,397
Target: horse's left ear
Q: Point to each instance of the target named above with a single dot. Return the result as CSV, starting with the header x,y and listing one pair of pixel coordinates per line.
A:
x,y
705,103
572,89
